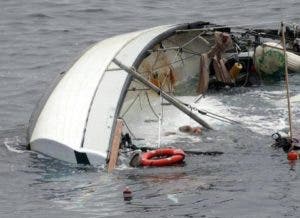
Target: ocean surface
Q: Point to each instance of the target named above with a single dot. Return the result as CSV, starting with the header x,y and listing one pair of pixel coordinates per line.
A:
x,y
40,39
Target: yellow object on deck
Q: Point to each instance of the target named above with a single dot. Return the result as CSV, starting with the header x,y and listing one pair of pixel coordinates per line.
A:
x,y
235,70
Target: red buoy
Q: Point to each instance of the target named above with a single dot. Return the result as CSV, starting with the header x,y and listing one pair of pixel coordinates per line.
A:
x,y
292,155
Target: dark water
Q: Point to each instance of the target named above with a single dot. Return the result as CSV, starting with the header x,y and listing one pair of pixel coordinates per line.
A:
x,y
39,39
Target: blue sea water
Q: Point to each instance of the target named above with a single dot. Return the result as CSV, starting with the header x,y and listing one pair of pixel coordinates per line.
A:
x,y
40,39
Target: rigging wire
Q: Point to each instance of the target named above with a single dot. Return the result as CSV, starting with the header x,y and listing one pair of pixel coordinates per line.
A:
x,y
201,112
193,39
212,115
152,109
129,107
179,49
159,67
130,132
183,48
198,98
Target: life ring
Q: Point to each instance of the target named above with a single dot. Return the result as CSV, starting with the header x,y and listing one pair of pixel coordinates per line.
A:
x,y
165,157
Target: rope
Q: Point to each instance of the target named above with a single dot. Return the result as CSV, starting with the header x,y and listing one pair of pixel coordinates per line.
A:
x,y
210,114
287,85
130,105
155,61
164,82
159,131
189,51
175,57
189,42
160,118
181,48
141,107
162,106
186,49
152,109
130,132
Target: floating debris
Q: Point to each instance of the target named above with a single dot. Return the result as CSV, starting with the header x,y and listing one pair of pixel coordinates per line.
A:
x,y
127,194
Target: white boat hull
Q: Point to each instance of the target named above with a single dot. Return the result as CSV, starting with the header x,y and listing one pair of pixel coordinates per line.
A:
x,y
76,121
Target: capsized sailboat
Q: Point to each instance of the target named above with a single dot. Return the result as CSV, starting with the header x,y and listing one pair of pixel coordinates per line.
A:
x,y
76,120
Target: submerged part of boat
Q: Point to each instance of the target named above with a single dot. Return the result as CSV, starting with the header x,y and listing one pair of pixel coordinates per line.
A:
x,y
76,120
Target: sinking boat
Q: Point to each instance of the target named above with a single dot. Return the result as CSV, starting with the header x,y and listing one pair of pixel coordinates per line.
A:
x,y
76,120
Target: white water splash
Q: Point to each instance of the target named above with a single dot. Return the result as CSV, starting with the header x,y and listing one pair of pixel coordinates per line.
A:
x,y
13,145
173,198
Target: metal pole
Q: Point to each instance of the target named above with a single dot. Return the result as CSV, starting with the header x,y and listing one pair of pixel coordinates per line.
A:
x,y
287,83
166,96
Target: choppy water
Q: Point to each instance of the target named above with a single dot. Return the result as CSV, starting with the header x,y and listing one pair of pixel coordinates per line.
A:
x,y
39,39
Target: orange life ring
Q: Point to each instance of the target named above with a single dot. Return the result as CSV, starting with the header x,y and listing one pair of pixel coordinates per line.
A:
x,y
165,157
